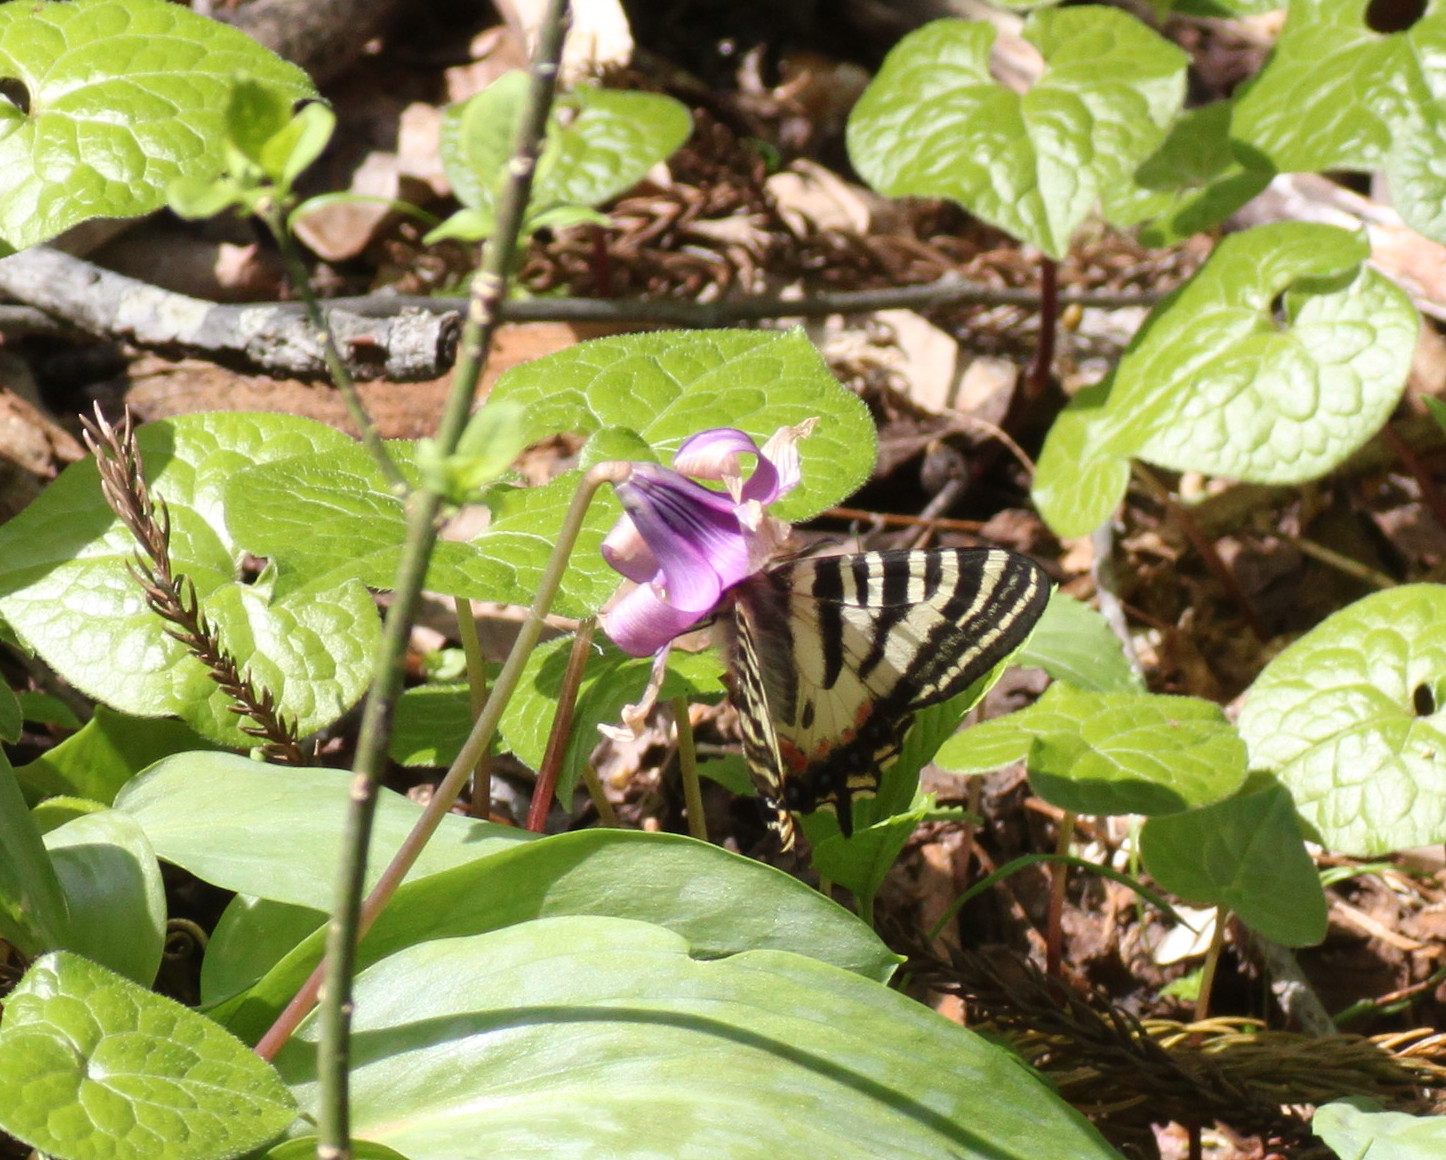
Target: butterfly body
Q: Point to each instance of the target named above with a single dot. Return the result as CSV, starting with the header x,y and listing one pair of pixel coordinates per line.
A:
x,y
832,656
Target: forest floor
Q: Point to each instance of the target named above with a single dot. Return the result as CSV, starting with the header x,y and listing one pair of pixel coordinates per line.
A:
x,y
761,201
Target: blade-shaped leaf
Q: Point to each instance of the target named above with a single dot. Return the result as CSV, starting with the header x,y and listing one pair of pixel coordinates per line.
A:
x,y
1351,718
598,1036
721,903
1354,1129
33,916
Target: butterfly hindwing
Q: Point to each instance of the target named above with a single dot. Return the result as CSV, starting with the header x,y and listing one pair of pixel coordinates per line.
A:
x,y
833,655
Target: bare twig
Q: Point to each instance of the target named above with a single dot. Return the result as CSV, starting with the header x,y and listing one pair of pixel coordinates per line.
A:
x,y
172,595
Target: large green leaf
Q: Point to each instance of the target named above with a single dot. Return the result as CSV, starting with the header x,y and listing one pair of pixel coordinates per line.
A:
x,y
113,893
1355,1129
123,97
1352,718
1074,643
95,1067
667,386
276,832
1111,753
1246,854
721,903
33,915
592,1036
1216,382
66,588
934,123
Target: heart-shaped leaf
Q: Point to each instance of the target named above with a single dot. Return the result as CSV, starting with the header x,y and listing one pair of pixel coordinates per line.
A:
x,y
1351,719
934,123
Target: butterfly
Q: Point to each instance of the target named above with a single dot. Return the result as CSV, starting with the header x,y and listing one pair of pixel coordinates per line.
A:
x,y
832,656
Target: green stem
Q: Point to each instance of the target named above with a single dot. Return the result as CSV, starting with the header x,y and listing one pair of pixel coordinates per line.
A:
x,y
688,770
1059,882
351,918
480,798
1212,960
276,221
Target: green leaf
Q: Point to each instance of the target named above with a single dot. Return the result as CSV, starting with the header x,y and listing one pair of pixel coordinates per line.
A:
x,y
1196,179
760,1055
1335,93
1352,719
113,892
124,97
934,123
11,721
609,142
861,862
669,385
33,915
1115,753
1355,1129
1074,643
276,832
95,1067
1214,382
1244,853
109,750
721,903
611,680
66,588
47,709
251,937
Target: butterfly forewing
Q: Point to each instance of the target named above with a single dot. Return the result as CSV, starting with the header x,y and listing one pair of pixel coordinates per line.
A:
x,y
834,655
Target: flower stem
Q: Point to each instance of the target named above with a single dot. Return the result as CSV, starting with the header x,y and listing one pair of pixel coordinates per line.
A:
x,y
688,770
546,788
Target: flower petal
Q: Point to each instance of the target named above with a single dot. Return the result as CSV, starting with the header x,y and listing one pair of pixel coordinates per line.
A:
x,y
625,549
713,454
641,622
781,454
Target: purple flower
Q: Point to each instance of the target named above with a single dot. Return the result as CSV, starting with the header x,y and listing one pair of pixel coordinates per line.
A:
x,y
684,545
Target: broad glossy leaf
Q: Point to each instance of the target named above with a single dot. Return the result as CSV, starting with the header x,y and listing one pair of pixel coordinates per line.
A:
x,y
275,831
934,123
1352,718
667,386
124,96
11,721
252,936
1114,753
95,1067
1244,853
1355,1128
66,589
113,893
721,903
598,1036
1216,382
1334,92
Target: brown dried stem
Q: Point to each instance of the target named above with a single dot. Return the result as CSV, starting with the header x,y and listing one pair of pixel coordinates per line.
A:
x,y
172,595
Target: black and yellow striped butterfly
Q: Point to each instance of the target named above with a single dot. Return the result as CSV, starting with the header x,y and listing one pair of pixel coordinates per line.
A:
x,y
832,656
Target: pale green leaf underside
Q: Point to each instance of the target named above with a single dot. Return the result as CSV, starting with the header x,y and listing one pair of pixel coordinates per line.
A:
x,y
935,124
600,1036
95,1067
239,824
1352,719
1354,1127
1074,643
1215,383
1245,854
125,96
68,591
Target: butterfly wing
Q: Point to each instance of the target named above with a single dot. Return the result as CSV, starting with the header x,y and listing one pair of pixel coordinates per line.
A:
x,y
833,656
